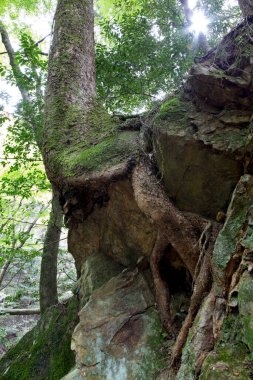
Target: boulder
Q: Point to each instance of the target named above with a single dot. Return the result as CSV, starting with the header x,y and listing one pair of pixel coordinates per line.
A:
x,y
119,335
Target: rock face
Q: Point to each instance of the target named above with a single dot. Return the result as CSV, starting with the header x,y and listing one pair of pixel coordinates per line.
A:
x,y
200,143
201,153
119,331
203,137
116,228
229,349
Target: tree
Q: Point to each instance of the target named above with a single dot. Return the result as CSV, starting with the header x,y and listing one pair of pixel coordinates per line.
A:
x,y
75,132
85,154
48,272
30,86
88,154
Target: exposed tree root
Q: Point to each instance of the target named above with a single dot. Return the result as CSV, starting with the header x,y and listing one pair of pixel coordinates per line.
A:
x,y
154,203
161,287
183,233
202,284
193,238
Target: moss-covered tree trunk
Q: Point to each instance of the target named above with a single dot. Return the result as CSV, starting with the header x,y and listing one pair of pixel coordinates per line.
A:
x,y
70,91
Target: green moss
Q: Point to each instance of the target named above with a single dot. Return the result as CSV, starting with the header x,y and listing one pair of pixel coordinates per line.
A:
x,y
245,291
44,352
88,142
188,362
110,151
154,355
172,109
229,236
230,358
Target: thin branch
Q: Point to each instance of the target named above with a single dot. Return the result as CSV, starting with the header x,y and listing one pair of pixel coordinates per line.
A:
x,y
187,11
4,52
15,68
20,221
66,274
43,39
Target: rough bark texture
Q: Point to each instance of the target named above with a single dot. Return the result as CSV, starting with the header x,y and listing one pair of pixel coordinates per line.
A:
x,y
48,273
246,7
71,79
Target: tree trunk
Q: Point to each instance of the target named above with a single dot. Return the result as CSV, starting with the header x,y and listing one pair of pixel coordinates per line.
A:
x,y
246,7
48,273
87,191
71,86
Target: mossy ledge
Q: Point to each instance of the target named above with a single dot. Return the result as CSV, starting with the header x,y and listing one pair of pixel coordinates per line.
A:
x,y
44,352
87,145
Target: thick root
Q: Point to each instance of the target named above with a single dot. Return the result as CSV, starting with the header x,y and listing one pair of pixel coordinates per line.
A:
x,y
153,201
191,236
202,286
161,287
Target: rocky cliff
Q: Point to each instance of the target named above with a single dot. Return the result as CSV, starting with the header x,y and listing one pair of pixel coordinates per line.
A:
x,y
161,231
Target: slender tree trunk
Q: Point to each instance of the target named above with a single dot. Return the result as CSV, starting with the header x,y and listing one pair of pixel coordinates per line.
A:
x,y
4,270
17,73
48,273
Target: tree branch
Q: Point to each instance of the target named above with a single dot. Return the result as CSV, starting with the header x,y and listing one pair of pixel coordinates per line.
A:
x,y
15,67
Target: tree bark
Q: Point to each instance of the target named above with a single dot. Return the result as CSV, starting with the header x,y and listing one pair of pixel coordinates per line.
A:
x,y
48,273
71,85
246,7
17,73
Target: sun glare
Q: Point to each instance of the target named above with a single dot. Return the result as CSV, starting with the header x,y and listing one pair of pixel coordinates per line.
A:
x,y
192,3
199,23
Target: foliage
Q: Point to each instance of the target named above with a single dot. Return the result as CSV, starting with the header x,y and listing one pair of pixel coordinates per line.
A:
x,y
28,5
144,48
18,241
26,124
141,54
23,177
